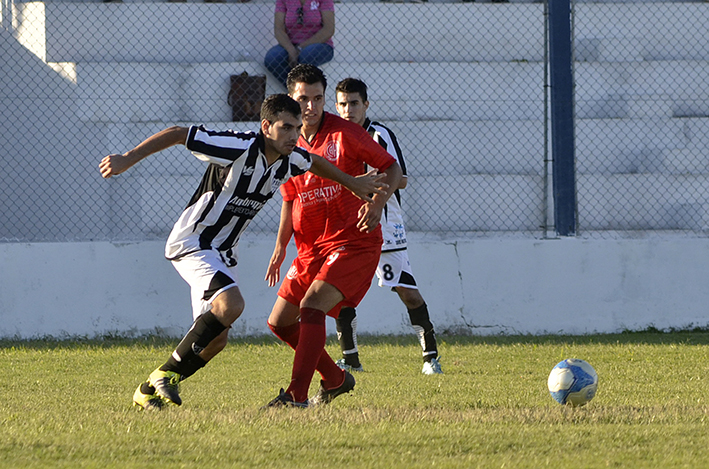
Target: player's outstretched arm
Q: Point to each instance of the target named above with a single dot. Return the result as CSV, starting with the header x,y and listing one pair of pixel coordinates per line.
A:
x,y
285,231
370,214
115,164
362,186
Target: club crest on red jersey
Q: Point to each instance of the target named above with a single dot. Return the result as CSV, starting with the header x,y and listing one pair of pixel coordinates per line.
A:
x,y
332,151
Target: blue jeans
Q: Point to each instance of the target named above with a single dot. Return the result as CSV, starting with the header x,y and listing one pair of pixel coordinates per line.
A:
x,y
276,60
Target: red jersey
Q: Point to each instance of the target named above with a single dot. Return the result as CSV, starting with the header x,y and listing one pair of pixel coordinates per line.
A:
x,y
324,212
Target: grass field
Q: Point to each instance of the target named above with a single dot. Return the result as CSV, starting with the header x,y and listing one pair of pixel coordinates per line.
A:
x,y
67,404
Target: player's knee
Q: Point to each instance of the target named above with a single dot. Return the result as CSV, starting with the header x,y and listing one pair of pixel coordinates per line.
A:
x,y
411,297
228,306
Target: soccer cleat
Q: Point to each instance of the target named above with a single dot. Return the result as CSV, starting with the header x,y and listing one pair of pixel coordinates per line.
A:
x,y
145,397
347,367
432,368
166,384
284,399
325,396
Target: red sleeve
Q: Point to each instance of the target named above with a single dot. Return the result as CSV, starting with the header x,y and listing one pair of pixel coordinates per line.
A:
x,y
288,190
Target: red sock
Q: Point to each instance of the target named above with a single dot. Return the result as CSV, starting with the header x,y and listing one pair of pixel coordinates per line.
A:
x,y
311,345
331,374
288,334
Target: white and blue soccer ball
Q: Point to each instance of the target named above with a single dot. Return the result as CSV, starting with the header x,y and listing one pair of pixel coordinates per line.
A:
x,y
573,381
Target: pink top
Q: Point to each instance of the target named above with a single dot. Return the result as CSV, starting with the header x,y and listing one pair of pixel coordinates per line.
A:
x,y
311,18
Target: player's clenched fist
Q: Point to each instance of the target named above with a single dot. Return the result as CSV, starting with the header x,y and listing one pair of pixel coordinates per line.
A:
x,y
112,165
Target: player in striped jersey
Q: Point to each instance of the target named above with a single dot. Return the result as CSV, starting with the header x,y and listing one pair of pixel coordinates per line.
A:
x,y
338,240
245,170
394,270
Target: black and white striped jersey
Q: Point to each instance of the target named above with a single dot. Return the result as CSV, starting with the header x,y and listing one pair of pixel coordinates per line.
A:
x,y
236,184
393,230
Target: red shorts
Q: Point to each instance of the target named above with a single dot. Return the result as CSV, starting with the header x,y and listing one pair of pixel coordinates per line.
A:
x,y
349,268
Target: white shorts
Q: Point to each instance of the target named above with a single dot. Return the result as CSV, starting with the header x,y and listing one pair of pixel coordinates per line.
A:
x,y
207,275
394,270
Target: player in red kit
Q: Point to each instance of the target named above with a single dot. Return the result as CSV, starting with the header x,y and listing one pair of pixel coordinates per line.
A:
x,y
337,236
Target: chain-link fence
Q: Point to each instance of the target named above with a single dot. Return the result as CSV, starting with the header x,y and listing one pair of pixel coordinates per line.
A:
x,y
461,84
642,102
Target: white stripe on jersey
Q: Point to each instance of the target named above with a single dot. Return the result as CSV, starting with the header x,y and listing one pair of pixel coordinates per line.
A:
x,y
393,230
235,186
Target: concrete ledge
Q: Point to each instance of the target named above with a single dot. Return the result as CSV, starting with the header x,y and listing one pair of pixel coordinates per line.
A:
x,y
480,286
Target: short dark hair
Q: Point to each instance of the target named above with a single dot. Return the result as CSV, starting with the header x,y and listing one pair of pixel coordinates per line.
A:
x,y
305,73
276,104
353,85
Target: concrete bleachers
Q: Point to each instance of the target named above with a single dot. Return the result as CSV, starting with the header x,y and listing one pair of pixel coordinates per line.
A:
x,y
474,142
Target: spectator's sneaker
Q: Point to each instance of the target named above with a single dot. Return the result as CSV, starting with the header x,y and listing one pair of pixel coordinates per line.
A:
x,y
325,396
284,399
432,368
344,366
145,397
166,384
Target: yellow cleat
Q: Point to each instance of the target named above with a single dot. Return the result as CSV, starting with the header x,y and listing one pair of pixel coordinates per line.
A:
x,y
145,398
167,385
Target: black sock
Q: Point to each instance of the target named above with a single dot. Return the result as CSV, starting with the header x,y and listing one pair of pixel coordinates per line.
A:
x,y
205,329
424,329
191,367
346,324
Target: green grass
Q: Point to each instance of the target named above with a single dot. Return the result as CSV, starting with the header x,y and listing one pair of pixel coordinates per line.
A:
x,y
67,404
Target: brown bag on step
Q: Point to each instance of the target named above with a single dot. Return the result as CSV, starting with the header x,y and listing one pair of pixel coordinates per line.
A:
x,y
246,94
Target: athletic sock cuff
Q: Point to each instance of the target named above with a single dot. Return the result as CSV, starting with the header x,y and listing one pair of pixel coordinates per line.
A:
x,y
312,316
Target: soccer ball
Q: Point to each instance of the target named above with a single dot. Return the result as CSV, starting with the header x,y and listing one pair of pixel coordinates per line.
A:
x,y
573,381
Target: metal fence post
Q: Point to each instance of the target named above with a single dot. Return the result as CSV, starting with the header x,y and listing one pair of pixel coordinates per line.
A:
x,y
562,117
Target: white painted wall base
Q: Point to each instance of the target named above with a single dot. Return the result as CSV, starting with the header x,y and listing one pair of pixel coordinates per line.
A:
x,y
509,285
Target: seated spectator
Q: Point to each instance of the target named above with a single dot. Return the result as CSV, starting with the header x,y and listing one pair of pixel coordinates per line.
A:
x,y
304,30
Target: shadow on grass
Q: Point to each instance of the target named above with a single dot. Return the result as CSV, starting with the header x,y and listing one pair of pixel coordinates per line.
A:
x,y
651,335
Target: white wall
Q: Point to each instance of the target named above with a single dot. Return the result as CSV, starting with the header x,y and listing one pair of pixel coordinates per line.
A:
x,y
480,285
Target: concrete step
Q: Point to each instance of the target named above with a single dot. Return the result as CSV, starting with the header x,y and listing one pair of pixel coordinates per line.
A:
x,y
145,92
478,202
442,148
642,89
366,32
643,202
629,145
140,92
641,30
431,203
154,92
373,32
